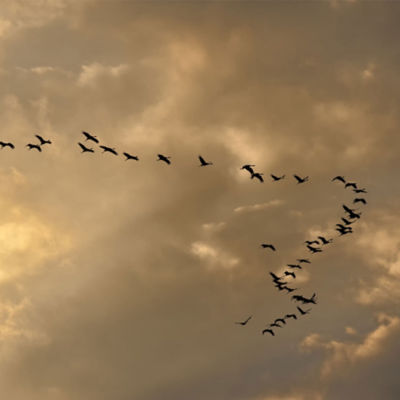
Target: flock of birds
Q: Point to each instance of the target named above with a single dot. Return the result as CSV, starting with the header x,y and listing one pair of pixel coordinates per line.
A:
x,y
313,246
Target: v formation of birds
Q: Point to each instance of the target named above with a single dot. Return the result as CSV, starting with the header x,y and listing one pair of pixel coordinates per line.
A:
x,y
313,246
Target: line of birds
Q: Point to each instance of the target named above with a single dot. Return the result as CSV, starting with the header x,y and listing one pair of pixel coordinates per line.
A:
x,y
275,178
30,146
314,246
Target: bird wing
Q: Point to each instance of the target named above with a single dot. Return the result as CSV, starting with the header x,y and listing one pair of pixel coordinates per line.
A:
x,y
202,160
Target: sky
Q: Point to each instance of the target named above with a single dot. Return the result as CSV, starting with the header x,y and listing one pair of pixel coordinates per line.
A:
x,y
124,279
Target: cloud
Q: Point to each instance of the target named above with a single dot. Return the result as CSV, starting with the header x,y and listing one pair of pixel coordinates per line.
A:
x,y
258,207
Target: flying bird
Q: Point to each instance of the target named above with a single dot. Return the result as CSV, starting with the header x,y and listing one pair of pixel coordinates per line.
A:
x,y
311,242
31,146
243,323
277,178
314,249
339,178
90,137
305,300
130,157
294,266
107,149
164,158
292,274
280,319
359,191
257,175
351,184
7,144
85,149
289,290
302,312
287,316
43,141
324,240
203,162
346,221
360,200
248,167
276,325
301,180
269,331
266,246
275,278
304,260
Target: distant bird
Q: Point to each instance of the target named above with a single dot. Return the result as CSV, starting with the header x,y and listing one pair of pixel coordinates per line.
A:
x,y
351,212
339,178
203,162
269,331
292,274
31,146
301,180
346,221
294,266
302,312
314,249
280,320
304,260
305,300
90,137
344,230
275,325
85,149
164,158
130,157
266,246
359,191
243,323
277,178
275,278
7,144
281,285
359,200
289,290
248,167
351,184
324,240
257,175
291,316
107,149
311,242
43,141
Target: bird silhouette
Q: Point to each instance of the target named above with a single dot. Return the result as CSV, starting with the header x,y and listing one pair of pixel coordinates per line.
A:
x,y
360,190
314,249
324,240
304,260
107,149
292,274
266,246
90,137
301,180
287,316
346,221
294,266
275,278
7,144
164,158
311,242
248,167
351,184
280,320
130,157
31,146
203,162
359,200
243,323
302,312
269,331
277,178
305,300
257,175
351,212
339,178
43,141
85,149
275,325
289,290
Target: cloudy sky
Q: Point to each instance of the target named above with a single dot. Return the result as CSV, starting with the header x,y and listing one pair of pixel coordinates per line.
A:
x,y
123,280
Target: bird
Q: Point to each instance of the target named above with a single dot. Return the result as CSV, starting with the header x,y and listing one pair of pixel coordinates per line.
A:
x,y
301,180
90,137
290,316
107,149
324,240
292,274
351,212
257,175
277,178
359,200
266,246
164,158
351,184
339,178
360,190
304,260
130,157
248,167
203,162
294,266
312,299
346,221
243,323
34,146
281,285
280,319
302,312
311,242
7,144
314,249
276,325
269,331
85,149
275,278
289,290
43,141
344,231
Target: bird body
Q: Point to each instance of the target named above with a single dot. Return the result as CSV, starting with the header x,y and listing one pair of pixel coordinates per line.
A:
x,y
161,157
85,149
294,266
266,246
324,240
43,141
300,179
203,162
88,136
130,157
304,260
339,178
277,178
31,146
248,167
107,149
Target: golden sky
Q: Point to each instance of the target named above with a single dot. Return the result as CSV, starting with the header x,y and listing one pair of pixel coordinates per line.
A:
x,y
123,280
